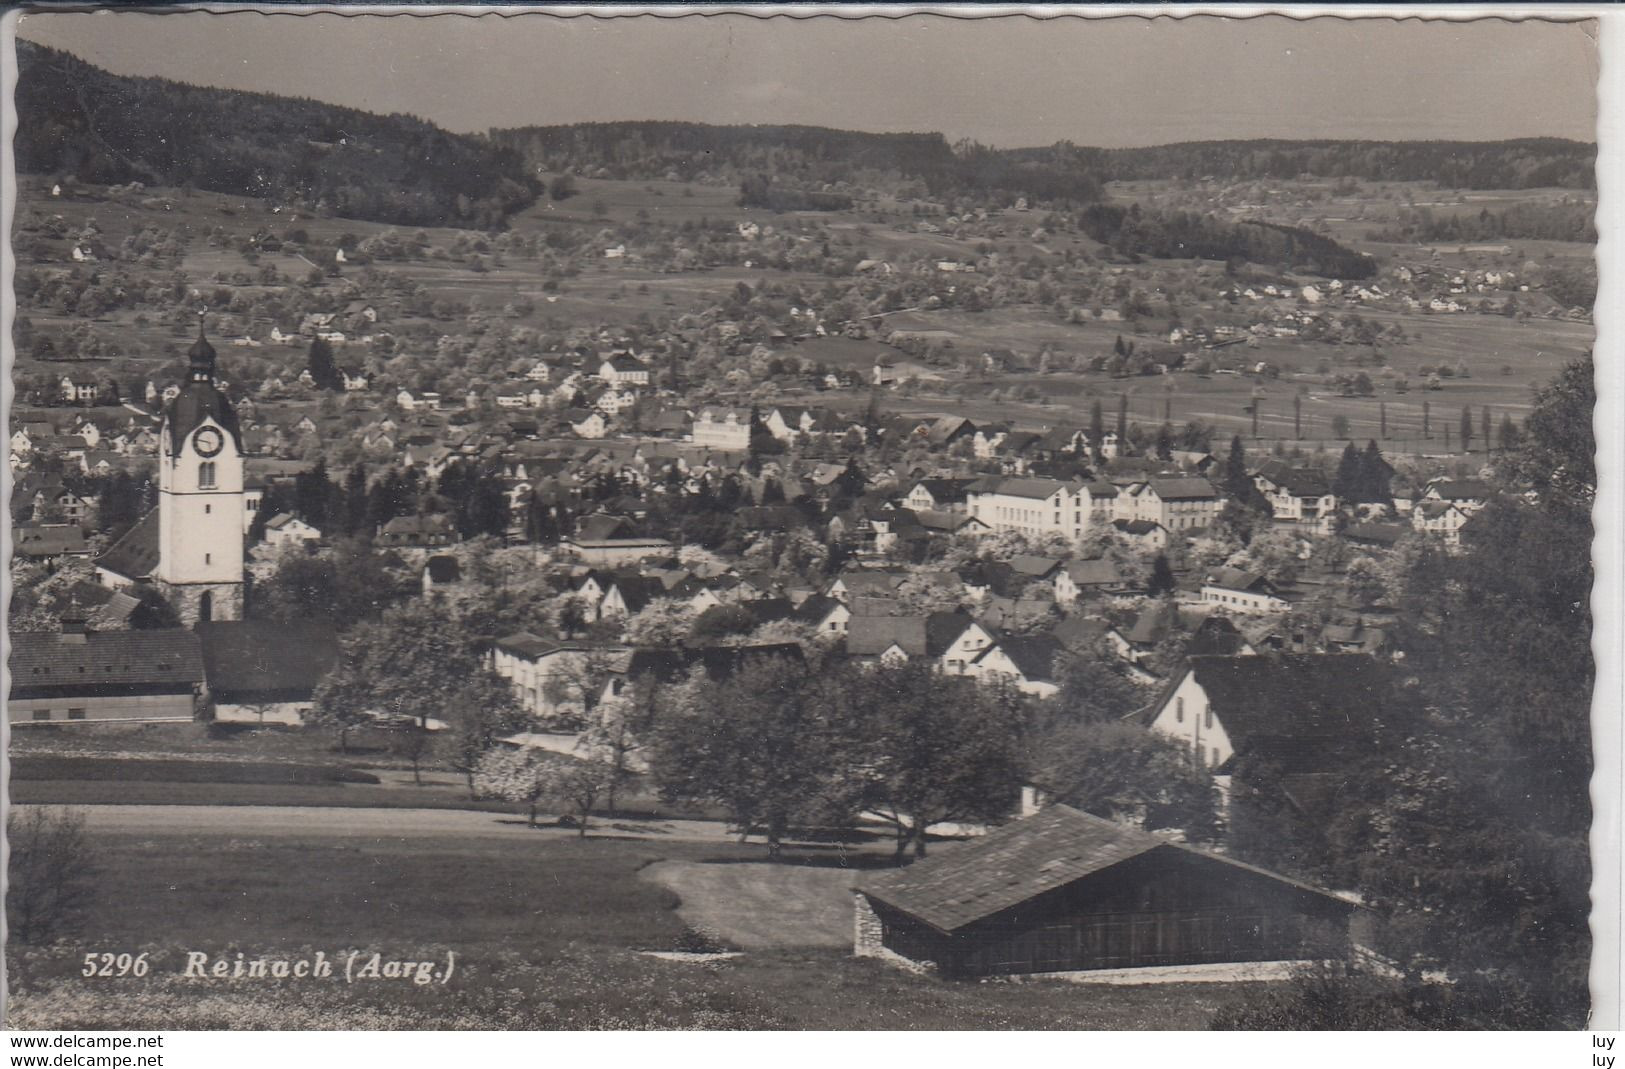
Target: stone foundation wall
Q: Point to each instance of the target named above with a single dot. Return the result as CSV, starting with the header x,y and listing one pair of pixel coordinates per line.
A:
x,y
868,933
869,938
226,600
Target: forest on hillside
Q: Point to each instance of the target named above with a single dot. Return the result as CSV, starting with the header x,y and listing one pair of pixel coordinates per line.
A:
x,y
1528,163
1187,235
77,120
912,164
810,154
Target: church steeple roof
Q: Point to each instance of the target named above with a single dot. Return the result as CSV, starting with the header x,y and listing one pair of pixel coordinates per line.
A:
x,y
200,357
199,399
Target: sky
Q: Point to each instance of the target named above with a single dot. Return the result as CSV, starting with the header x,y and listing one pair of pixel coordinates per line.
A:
x,y
1006,82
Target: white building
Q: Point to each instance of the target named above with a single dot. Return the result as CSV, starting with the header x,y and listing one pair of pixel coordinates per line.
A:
x,y
722,428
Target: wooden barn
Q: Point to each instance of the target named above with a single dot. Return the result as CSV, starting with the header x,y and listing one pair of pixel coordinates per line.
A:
x,y
1063,891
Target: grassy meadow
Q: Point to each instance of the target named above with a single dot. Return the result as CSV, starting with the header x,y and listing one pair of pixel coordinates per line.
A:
x,y
545,937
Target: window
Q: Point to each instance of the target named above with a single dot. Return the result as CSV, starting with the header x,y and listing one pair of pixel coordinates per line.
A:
x,y
205,475
1207,717
208,558
42,714
1179,710
76,714
1215,757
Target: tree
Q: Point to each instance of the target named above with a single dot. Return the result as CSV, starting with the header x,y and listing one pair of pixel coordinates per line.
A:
x,y
1340,426
1162,577
1122,420
575,782
936,748
1507,436
1376,477
1237,483
514,776
1346,485
483,710
52,873
563,187
1466,428
762,744
1476,842
1427,413
1119,770
413,664
1091,689
1097,429
324,372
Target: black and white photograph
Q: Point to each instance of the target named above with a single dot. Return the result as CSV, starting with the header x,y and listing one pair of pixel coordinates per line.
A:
x,y
704,519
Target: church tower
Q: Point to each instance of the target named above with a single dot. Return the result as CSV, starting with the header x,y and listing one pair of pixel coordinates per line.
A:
x,y
200,497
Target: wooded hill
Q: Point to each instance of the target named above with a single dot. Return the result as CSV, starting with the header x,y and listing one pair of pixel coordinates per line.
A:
x,y
811,154
806,156
77,120
1528,163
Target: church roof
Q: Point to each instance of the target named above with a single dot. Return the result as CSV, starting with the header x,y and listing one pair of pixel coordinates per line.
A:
x,y
136,554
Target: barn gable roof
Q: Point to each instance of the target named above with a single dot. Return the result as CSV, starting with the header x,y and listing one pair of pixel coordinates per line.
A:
x,y
43,661
1010,865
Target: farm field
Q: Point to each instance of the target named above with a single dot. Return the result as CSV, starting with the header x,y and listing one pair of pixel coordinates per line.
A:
x,y
1503,355
544,938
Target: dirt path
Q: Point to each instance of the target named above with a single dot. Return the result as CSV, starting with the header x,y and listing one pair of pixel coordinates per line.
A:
x,y
756,906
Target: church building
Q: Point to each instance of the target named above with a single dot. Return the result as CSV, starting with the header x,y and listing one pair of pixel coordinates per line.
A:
x,y
190,548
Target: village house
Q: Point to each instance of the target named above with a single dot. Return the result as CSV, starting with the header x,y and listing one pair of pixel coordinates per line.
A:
x,y
1468,495
587,424
286,529
1441,519
552,679
1063,891
949,639
1027,661
1177,504
49,541
1308,718
1242,591
417,532
1143,534
826,616
1297,495
80,392
1080,578
623,369
615,551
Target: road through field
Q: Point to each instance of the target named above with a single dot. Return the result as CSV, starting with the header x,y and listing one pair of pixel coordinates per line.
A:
x,y
273,822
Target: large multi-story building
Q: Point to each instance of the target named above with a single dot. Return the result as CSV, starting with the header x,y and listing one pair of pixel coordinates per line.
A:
x,y
723,428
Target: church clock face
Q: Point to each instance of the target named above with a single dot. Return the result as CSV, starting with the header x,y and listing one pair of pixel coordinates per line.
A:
x,y
207,441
